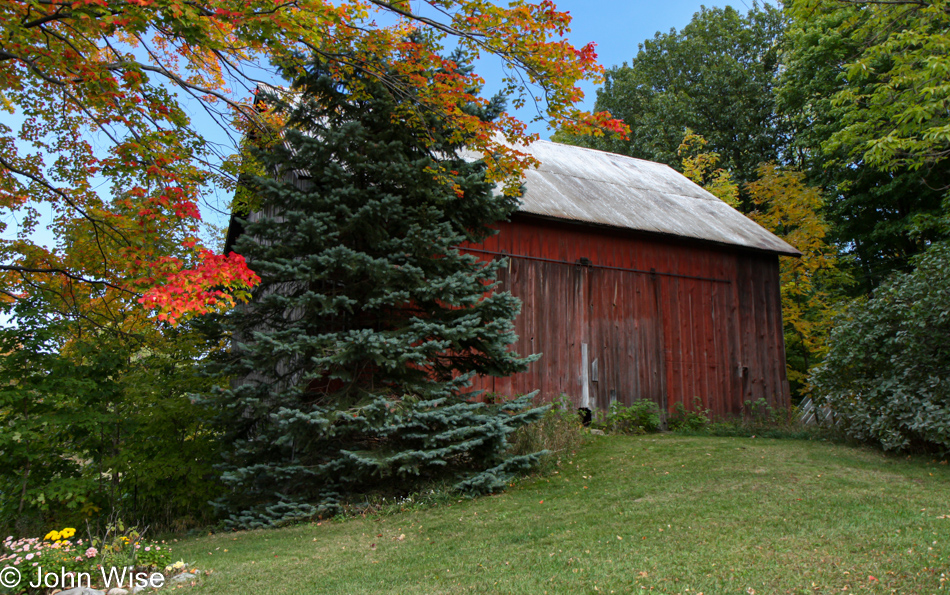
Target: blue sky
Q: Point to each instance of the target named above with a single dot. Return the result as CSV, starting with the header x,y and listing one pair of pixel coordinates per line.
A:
x,y
618,27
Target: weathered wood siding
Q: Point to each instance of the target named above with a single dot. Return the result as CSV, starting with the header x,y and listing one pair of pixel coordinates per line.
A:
x,y
663,319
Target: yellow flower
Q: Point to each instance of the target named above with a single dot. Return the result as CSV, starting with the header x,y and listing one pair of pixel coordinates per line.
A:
x,y
67,532
52,536
179,565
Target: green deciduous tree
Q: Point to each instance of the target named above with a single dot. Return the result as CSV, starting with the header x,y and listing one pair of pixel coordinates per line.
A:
x,y
96,421
894,92
863,88
867,85
352,359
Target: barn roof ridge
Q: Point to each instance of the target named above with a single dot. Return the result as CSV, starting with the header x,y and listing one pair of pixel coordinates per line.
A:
x,y
601,151
705,194
709,197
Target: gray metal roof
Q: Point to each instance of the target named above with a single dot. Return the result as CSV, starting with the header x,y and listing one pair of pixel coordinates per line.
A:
x,y
608,189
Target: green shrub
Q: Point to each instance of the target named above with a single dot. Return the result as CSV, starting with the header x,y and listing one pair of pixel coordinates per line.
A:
x,y
887,373
643,417
683,419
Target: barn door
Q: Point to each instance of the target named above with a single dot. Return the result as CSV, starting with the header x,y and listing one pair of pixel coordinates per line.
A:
x,y
625,337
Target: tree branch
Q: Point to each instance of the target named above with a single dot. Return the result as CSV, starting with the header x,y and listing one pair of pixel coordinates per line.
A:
x,y
860,2
96,222
65,273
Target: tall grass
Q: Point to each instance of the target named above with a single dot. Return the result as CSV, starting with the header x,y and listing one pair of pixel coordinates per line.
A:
x,y
559,432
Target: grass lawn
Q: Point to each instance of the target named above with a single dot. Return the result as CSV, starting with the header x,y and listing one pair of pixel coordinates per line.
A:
x,y
666,514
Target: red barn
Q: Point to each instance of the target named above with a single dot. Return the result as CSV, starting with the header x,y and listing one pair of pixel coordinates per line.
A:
x,y
638,284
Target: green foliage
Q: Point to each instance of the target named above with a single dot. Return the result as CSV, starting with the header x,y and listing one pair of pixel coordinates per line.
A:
x,y
684,419
894,94
352,362
854,75
886,374
716,77
558,432
643,417
96,421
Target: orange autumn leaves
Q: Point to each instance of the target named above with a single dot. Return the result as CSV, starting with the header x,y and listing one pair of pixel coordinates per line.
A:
x,y
107,148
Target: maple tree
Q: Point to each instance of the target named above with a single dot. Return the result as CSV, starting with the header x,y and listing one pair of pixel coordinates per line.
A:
x,y
101,146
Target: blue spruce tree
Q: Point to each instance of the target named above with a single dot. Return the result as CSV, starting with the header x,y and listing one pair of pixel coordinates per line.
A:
x,y
352,360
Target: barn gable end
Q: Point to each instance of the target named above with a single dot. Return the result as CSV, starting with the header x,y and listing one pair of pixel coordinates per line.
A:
x,y
638,284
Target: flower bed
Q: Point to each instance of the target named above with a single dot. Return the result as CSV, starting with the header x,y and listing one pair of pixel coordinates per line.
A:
x,y
121,558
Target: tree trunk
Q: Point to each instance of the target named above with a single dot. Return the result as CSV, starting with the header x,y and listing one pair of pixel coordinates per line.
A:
x,y
26,475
